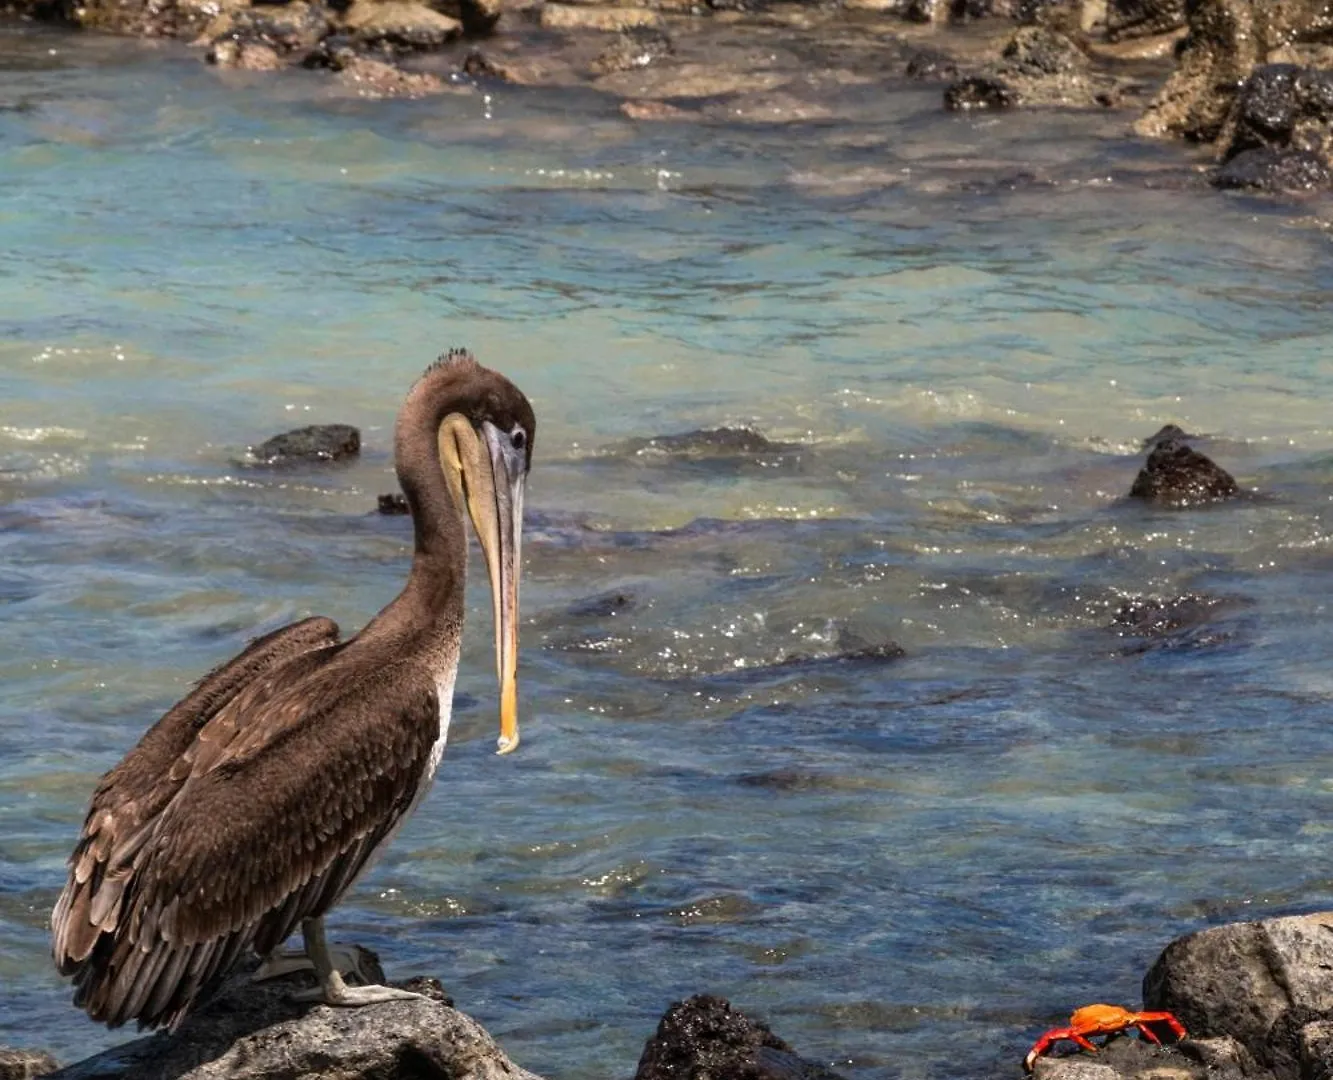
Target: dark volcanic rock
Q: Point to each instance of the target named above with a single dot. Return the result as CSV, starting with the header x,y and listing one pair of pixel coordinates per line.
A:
x,y
1127,19
704,1038
1167,433
293,27
1282,105
1178,475
635,47
1036,51
603,606
1180,622
1227,39
706,443
256,1032
25,1064
479,17
931,64
979,92
1274,172
395,503
319,442
1263,983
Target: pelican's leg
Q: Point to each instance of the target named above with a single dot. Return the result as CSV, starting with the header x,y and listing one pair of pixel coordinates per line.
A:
x,y
331,989
346,958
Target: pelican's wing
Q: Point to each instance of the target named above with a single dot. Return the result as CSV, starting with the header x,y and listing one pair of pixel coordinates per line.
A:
x,y
286,798
140,787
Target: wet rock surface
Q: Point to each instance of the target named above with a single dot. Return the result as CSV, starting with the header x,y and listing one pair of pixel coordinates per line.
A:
x,y
979,92
1274,172
1227,40
1279,133
254,1031
1167,433
1188,621
393,504
1143,18
704,1037
634,48
1176,474
706,442
1038,66
308,445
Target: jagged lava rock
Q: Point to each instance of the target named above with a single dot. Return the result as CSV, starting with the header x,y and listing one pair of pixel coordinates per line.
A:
x,y
704,1038
1179,475
319,442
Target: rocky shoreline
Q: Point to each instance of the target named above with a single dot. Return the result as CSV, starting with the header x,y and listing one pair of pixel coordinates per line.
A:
x,y
1250,77
1254,997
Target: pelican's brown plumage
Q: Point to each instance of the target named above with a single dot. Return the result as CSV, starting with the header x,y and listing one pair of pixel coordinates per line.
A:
x,y
250,808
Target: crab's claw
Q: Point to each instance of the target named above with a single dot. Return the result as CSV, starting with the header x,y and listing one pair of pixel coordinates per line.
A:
x,y
1050,1039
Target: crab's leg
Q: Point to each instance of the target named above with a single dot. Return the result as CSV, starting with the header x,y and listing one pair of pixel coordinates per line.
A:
x,y
1146,1031
1082,1041
1163,1018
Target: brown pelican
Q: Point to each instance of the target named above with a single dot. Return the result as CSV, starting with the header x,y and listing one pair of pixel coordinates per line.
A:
x,y
250,808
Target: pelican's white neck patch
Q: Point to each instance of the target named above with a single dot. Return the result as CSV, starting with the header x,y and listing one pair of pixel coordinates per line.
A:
x,y
444,691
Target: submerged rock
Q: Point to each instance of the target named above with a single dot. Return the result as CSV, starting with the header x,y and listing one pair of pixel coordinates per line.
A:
x,y
603,606
706,442
244,56
1178,622
636,47
317,443
254,1031
393,504
1037,66
979,92
375,79
704,1038
1274,172
930,64
1179,475
25,1064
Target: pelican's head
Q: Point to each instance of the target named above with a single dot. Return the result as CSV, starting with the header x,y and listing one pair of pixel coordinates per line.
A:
x,y
485,444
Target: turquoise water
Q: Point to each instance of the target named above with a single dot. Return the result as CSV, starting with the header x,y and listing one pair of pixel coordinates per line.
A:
x,y
963,326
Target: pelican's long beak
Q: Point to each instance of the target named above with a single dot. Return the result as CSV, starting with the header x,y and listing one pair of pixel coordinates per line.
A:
x,y
501,536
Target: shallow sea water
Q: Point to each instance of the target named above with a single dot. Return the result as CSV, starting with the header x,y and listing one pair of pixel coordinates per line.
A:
x,y
962,327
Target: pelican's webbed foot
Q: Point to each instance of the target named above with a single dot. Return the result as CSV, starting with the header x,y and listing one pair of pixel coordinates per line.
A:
x,y
331,989
336,992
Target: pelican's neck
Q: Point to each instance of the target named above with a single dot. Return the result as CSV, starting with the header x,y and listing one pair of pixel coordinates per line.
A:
x,y
429,610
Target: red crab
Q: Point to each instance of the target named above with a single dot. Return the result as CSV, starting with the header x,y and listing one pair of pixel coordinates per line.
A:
x,y
1102,1020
